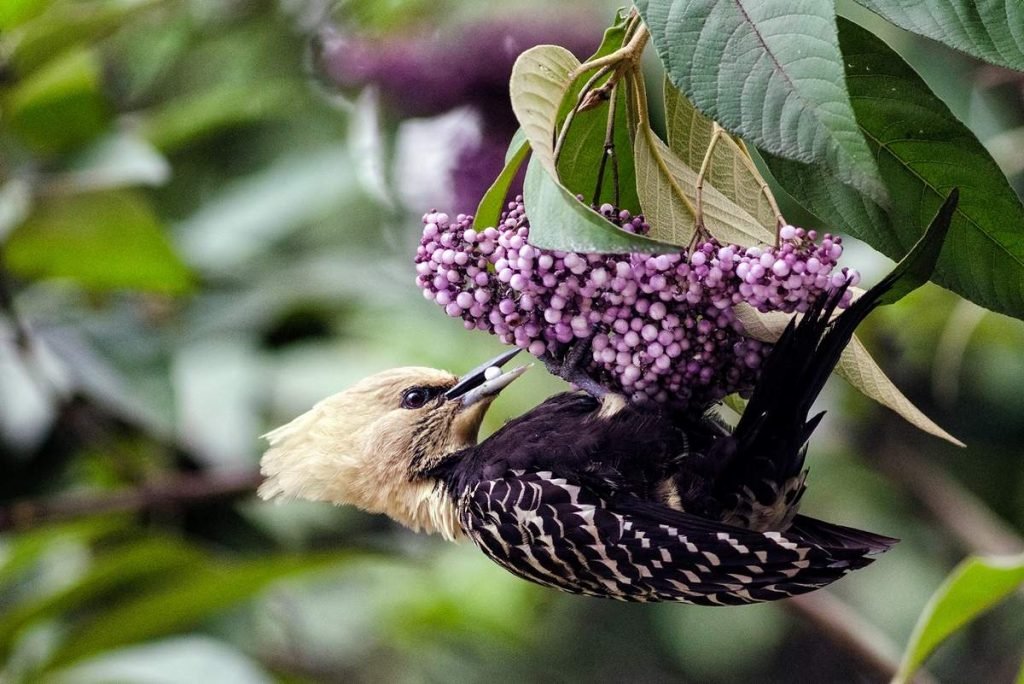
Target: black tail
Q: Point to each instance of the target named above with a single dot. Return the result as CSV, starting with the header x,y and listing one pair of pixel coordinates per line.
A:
x,y
770,437
831,536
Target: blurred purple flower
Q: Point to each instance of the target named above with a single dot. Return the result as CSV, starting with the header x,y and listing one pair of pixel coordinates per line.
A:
x,y
428,75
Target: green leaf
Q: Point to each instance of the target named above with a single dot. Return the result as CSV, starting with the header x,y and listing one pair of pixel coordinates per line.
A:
x,y
668,190
181,603
736,403
770,72
116,160
989,30
862,372
26,547
103,241
855,366
914,269
540,79
129,565
583,148
580,158
731,170
518,138
14,12
669,212
493,202
63,26
60,106
559,221
182,121
974,586
923,151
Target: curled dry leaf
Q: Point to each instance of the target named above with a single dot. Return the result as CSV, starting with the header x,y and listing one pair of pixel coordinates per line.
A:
x,y
668,189
691,136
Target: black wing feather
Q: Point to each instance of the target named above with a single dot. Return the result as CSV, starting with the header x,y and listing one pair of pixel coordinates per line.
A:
x,y
551,531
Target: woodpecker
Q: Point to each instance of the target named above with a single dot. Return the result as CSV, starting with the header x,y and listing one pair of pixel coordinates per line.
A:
x,y
590,494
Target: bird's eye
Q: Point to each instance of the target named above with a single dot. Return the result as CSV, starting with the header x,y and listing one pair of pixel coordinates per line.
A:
x,y
415,398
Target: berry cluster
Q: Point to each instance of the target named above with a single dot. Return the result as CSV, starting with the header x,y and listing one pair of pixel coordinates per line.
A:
x,y
660,327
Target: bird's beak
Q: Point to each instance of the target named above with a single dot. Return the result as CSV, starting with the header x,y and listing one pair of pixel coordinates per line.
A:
x,y
485,380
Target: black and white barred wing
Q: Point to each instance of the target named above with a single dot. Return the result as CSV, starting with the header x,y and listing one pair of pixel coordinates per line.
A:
x,y
553,532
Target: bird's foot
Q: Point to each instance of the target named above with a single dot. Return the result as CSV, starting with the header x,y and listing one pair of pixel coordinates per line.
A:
x,y
571,369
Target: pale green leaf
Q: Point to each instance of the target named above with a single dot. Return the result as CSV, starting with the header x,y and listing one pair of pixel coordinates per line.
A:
x,y
730,170
766,326
668,210
860,370
668,189
182,602
771,72
15,205
175,660
540,79
116,160
736,403
992,30
974,586
103,241
61,105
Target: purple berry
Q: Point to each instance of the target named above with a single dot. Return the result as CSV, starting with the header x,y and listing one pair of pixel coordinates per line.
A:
x,y
662,327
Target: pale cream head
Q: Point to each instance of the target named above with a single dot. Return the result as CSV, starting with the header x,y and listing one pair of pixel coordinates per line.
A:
x,y
372,445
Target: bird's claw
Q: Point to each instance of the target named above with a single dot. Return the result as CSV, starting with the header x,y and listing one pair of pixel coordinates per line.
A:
x,y
570,369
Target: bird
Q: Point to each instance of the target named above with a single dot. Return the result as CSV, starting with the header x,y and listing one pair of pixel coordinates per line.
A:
x,y
589,494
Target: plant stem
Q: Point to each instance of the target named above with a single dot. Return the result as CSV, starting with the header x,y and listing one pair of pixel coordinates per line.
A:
x,y
609,151
564,132
843,626
640,97
705,166
182,490
630,52
965,517
632,23
766,191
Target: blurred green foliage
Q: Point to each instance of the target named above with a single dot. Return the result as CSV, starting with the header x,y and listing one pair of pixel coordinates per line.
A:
x,y
200,250
973,587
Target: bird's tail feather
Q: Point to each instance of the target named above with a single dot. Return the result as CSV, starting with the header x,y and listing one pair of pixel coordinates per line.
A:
x,y
808,351
832,536
775,424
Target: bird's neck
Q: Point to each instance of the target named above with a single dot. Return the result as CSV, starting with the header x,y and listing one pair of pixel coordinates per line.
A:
x,y
424,505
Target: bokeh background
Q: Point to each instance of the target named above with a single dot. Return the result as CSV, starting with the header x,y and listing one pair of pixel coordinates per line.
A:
x,y
208,212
